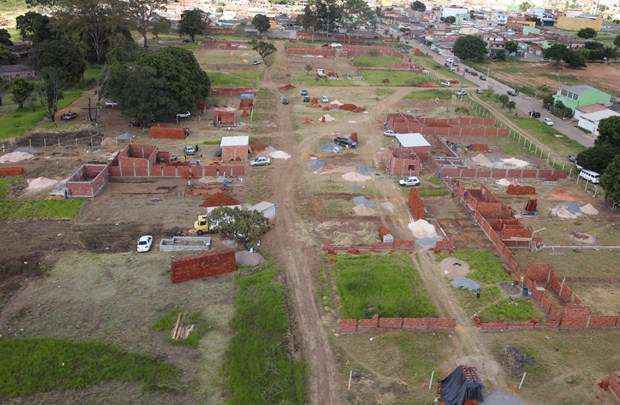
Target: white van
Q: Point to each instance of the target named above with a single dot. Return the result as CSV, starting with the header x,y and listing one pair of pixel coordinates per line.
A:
x,y
592,177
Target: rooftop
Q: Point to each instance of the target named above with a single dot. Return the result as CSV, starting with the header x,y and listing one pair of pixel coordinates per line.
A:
x,y
241,140
590,108
579,88
412,140
600,115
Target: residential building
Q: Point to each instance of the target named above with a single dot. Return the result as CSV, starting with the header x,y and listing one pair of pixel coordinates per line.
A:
x,y
235,147
588,109
589,122
456,12
579,95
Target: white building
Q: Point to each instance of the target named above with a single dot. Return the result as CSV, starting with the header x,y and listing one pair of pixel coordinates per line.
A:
x,y
454,12
589,122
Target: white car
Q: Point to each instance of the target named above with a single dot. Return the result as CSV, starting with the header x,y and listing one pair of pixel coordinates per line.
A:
x,y
261,161
548,121
389,132
461,93
186,114
445,83
410,181
110,104
144,243
324,99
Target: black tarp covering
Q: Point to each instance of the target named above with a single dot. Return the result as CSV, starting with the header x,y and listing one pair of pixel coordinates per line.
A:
x,y
462,384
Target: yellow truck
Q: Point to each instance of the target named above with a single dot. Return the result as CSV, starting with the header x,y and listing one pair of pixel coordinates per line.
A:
x,y
201,225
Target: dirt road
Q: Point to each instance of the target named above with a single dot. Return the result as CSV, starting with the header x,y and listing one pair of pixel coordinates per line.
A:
x,y
299,261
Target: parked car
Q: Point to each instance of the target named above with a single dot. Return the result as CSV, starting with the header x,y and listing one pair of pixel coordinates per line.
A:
x,y
548,121
389,132
306,99
284,100
324,99
474,73
346,142
589,175
534,114
409,181
257,62
303,92
261,161
512,92
68,116
479,90
449,60
483,77
190,150
144,243
110,104
445,83
572,158
186,114
461,93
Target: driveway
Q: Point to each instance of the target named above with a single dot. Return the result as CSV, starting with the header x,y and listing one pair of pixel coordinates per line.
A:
x,y
524,103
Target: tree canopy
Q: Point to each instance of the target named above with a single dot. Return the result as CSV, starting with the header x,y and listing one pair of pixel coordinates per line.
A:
x,y
617,41
193,22
610,180
264,49
21,89
142,14
156,85
418,6
605,148
34,27
511,46
556,53
261,23
525,6
470,47
5,38
63,54
245,226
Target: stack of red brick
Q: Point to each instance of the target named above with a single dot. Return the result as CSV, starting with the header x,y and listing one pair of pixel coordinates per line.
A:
x,y
201,266
6,171
416,206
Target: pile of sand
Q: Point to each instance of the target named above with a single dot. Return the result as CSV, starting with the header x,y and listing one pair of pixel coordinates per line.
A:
x,y
363,211
14,157
422,229
40,184
327,118
514,163
508,163
279,154
572,210
503,182
355,177
589,209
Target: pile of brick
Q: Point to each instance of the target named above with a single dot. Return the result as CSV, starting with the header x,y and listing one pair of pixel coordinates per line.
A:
x,y
203,265
162,132
7,171
416,206
515,189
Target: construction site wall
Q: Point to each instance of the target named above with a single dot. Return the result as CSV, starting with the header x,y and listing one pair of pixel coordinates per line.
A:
x,y
326,52
478,173
88,180
140,169
386,324
379,50
162,132
231,91
7,171
201,266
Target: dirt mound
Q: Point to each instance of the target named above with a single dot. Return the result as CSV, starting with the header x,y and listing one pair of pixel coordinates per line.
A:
x,y
453,267
562,194
515,360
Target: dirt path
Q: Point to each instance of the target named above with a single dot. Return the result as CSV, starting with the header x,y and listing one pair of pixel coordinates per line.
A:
x,y
470,350
299,261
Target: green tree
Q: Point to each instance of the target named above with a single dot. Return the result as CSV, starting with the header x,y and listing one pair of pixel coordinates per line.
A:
x,y
555,52
160,26
34,27
261,23
511,47
586,33
605,148
610,180
525,6
142,14
50,90
21,89
264,49
62,54
5,38
617,41
470,47
418,6
504,99
6,56
244,226
574,59
193,22
155,85
322,15
609,132
4,85
511,105
498,54
357,13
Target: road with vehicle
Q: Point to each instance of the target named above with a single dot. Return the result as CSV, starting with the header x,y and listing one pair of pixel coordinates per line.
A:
x,y
523,103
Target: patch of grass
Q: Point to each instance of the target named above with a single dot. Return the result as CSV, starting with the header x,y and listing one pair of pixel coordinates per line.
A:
x,y
33,365
395,78
383,91
549,135
305,79
259,367
380,284
40,209
212,142
169,319
7,184
509,309
433,192
375,61
238,79
335,208
484,265
426,95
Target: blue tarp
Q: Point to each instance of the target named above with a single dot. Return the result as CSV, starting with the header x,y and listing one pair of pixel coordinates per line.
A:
x,y
466,283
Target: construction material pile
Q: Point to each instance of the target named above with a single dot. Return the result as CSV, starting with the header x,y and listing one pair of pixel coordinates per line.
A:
x,y
16,156
572,210
516,189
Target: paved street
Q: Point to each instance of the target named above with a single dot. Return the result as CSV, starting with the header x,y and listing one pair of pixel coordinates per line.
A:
x,y
524,103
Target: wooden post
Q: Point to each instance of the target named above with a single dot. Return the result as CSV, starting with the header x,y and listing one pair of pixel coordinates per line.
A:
x,y
561,287
430,383
522,379
350,376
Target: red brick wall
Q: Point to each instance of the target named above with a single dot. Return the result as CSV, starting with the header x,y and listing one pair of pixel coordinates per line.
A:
x,y
232,153
406,245
454,172
385,324
11,171
201,266
162,132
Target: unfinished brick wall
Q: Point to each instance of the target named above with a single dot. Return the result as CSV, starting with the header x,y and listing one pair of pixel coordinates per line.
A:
x,y
326,52
357,50
7,171
378,324
231,91
416,206
229,45
479,173
203,265
88,180
163,132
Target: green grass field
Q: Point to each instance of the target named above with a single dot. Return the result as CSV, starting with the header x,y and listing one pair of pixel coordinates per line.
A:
x,y
395,78
380,284
259,367
429,95
7,183
305,79
40,209
484,265
237,79
33,365
375,61
549,135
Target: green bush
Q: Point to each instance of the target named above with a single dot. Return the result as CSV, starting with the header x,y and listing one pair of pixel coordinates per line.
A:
x,y
33,365
380,284
259,367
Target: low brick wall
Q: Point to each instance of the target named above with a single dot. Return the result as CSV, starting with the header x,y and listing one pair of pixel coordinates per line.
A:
x,y
475,173
231,91
386,324
6,171
202,266
403,245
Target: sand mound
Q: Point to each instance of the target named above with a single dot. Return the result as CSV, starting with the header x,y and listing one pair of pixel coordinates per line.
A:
x,y
561,194
503,182
279,154
363,211
355,176
14,157
508,163
422,229
588,209
39,184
